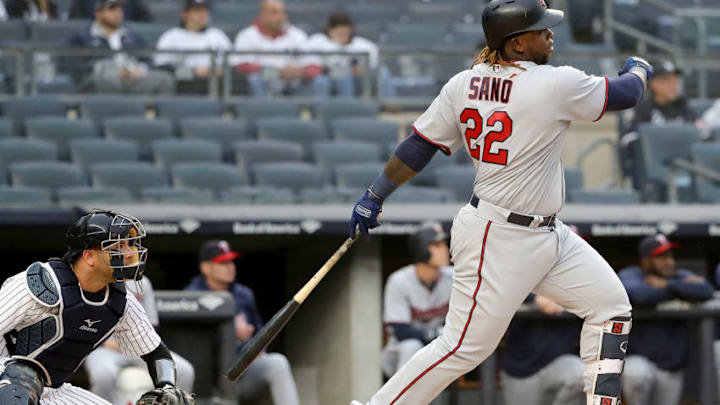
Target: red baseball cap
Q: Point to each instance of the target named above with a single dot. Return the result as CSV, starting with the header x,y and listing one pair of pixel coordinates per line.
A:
x,y
655,245
217,251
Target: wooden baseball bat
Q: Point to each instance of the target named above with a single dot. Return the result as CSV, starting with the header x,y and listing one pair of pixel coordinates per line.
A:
x,y
262,339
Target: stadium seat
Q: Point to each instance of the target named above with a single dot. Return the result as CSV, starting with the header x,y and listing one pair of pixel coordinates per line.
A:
x,y
378,12
52,175
258,195
150,32
658,146
608,197
207,175
81,195
421,195
133,176
707,155
20,149
61,131
55,32
6,128
25,197
573,179
423,13
140,130
226,132
253,109
4,178
700,105
330,154
417,35
165,12
458,178
167,152
186,195
357,174
469,35
364,129
293,175
85,152
427,176
325,195
178,108
20,109
292,130
98,109
238,13
344,107
13,32
308,12
248,153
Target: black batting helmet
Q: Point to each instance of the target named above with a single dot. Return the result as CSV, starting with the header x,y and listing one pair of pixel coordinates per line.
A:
x,y
503,18
106,230
428,233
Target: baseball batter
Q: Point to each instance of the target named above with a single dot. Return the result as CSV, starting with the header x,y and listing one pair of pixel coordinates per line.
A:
x,y
510,112
53,314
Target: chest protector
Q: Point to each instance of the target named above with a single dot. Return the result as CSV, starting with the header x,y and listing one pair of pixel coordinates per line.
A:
x,y
61,343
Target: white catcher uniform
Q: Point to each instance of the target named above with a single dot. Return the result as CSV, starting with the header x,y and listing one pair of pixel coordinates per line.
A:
x,y
409,301
513,123
18,309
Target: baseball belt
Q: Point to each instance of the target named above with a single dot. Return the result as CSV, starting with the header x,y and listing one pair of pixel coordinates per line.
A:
x,y
520,219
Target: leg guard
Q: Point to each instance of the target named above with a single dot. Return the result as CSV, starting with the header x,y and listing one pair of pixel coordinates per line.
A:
x,y
607,368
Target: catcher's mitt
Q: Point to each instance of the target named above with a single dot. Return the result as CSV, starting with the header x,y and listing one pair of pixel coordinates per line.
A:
x,y
167,395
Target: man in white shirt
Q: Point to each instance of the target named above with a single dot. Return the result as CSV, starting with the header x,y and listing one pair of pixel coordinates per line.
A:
x,y
339,36
192,70
277,74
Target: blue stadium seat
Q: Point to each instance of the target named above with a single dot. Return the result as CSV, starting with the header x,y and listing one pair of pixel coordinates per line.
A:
x,y
364,129
707,155
25,197
178,108
253,109
606,197
20,109
86,152
6,128
330,154
165,11
207,175
61,131
458,178
295,175
427,176
238,13
4,178
226,132
55,32
140,130
700,105
258,195
248,153
292,130
423,13
20,149
185,195
133,176
418,35
51,175
357,174
167,152
343,108
150,32
13,32
573,179
82,195
420,195
469,35
381,12
99,108
325,195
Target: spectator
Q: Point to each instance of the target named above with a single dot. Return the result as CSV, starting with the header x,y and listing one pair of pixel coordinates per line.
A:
x,y
339,36
277,74
121,73
32,10
135,10
658,350
269,369
104,363
417,298
192,70
540,362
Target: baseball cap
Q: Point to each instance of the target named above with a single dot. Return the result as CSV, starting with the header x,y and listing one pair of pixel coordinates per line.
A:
x,y
189,4
665,67
103,4
217,251
655,245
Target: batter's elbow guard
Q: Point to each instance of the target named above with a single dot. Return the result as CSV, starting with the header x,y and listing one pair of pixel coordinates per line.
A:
x,y
608,366
20,384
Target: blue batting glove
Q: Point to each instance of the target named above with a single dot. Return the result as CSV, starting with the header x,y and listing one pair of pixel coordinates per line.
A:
x,y
636,61
365,214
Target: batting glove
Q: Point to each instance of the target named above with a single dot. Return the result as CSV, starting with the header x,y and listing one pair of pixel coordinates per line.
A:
x,y
365,214
636,62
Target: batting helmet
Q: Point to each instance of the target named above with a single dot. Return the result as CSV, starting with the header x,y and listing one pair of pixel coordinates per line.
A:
x,y
107,230
503,18
428,233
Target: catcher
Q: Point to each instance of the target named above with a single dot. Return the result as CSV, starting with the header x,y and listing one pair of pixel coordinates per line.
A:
x,y
55,313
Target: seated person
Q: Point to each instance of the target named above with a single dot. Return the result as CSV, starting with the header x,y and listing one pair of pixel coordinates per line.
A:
x,y
32,10
269,369
540,362
658,350
192,70
277,74
339,36
121,73
103,364
417,298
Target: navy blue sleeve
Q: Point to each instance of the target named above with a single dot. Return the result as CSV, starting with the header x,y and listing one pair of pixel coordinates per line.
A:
x,y
624,92
688,290
404,331
640,293
415,151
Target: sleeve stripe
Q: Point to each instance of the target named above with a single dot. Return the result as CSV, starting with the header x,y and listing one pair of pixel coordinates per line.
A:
x,y
442,147
607,84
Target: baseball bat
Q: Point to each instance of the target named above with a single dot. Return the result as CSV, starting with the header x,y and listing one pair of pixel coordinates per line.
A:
x,y
267,333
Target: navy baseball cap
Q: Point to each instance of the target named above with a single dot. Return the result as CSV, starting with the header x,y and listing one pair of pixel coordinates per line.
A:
x,y
190,4
103,4
665,67
655,245
217,251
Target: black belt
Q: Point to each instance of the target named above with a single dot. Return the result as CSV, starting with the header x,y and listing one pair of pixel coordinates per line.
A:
x,y
519,219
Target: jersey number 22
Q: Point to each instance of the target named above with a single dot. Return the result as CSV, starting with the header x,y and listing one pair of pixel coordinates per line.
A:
x,y
471,134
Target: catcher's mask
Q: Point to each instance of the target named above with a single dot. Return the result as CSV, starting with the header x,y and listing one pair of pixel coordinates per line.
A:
x,y
117,234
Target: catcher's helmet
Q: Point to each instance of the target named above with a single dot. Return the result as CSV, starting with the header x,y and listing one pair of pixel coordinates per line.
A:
x,y
428,233
107,230
503,18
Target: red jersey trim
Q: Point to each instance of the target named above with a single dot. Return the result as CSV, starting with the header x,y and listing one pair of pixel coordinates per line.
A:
x,y
467,324
607,87
267,34
442,147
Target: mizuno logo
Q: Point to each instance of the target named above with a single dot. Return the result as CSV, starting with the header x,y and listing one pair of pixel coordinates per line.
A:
x,y
89,326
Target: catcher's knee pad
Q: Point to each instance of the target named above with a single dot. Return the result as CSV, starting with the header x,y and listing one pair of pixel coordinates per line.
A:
x,y
608,366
